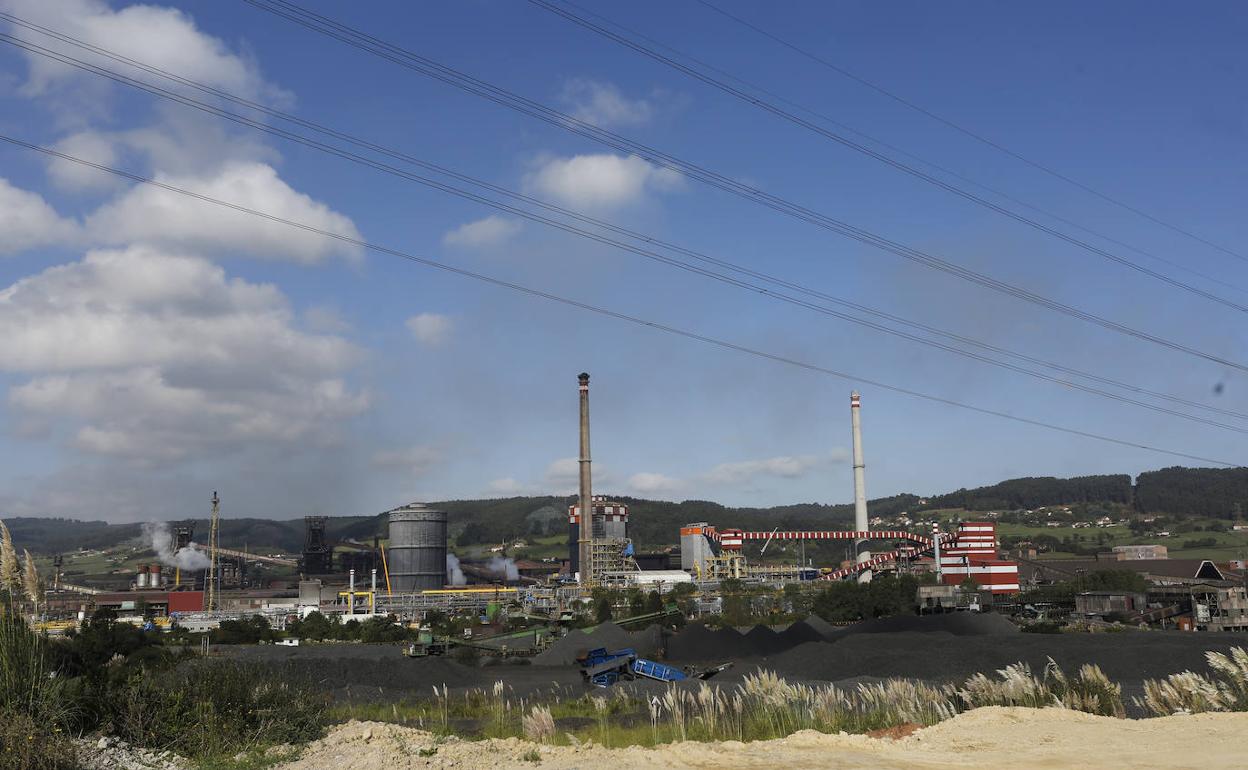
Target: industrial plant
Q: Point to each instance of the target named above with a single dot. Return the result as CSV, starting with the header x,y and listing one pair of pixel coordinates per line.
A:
x,y
413,571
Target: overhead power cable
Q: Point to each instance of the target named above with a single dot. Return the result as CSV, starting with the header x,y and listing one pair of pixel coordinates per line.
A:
x,y
602,311
824,117
845,141
644,252
423,65
970,133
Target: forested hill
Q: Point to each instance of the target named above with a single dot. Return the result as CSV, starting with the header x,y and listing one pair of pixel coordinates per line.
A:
x,y
1034,492
1171,491
1175,492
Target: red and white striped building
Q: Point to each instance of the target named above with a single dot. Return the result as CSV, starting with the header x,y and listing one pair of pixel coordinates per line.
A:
x,y
972,551
975,553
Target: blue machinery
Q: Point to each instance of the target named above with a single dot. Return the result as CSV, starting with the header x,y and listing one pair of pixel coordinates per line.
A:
x,y
603,668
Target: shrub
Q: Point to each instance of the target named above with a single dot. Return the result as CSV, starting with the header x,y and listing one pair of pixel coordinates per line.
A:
x,y
216,708
26,744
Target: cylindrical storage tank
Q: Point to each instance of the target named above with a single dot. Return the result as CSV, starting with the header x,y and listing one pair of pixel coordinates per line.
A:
x,y
155,579
417,554
141,580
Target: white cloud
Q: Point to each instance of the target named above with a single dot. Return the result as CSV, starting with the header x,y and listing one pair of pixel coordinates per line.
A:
x,y
148,214
322,318
429,328
161,37
27,221
788,467
599,181
154,357
490,231
653,483
604,105
415,460
75,177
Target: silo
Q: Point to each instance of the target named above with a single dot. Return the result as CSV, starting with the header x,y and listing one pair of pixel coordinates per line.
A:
x,y
417,553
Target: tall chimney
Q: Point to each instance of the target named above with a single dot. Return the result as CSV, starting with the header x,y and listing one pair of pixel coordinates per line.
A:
x,y
861,522
585,551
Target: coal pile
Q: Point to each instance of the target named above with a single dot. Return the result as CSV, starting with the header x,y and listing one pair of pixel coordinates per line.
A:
x,y
699,643
956,623
801,632
565,651
940,656
650,641
763,641
820,626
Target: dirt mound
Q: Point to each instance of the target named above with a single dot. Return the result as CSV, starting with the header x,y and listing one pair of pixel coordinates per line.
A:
x,y
983,738
565,651
956,623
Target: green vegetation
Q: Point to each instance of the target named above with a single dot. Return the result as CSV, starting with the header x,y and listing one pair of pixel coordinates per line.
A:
x,y
113,677
1036,492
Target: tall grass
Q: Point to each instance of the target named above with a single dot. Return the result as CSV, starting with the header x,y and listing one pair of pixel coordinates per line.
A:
x,y
1225,689
34,710
764,705
1089,690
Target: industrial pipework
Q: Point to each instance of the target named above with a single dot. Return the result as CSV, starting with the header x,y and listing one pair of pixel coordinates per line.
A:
x,y
861,522
584,542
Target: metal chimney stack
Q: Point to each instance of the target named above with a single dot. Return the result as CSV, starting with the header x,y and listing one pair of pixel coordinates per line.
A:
x,y
861,522
585,552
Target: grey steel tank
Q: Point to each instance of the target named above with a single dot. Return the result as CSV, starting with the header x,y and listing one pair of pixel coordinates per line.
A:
x,y
417,552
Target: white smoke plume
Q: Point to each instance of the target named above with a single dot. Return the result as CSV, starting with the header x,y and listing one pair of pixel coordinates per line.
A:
x,y
189,559
503,567
454,575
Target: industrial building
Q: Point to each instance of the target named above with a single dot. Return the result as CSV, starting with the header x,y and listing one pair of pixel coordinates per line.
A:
x,y
416,558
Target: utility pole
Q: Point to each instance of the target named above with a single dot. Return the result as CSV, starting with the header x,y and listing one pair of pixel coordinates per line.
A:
x,y
212,598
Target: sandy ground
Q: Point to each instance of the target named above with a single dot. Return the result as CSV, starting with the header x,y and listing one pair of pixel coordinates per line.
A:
x,y
984,738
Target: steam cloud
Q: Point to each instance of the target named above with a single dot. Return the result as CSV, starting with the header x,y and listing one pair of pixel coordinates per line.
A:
x,y
454,575
190,558
503,567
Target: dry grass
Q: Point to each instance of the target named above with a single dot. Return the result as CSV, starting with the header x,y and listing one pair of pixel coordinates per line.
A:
x,y
1225,689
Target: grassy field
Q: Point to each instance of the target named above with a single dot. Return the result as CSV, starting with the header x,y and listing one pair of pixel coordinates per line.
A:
x,y
1230,545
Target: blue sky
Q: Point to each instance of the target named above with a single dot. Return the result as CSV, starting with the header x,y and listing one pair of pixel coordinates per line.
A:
x,y
159,348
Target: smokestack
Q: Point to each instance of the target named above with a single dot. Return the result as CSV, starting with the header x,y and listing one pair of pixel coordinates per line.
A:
x,y
936,549
584,549
861,522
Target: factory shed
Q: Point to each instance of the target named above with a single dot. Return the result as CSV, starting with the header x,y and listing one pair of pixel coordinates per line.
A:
x,y
1161,571
1105,602
536,569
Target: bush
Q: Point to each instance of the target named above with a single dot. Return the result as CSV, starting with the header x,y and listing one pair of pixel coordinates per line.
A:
x,y
26,744
216,708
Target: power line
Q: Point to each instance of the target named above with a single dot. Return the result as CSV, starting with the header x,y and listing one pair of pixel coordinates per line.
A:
x,y
541,293
754,288
429,68
823,116
968,132
845,141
